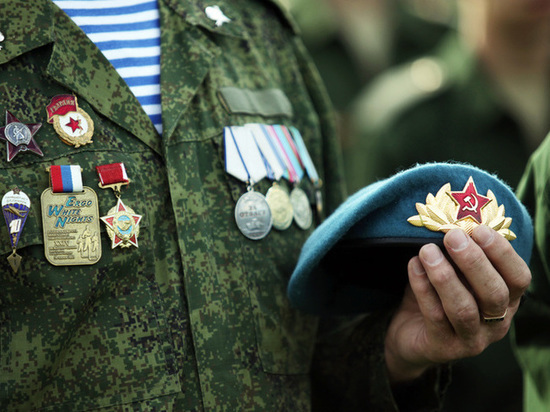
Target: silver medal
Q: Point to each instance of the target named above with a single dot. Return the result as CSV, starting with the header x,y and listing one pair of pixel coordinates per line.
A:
x,y
253,215
281,208
303,216
18,134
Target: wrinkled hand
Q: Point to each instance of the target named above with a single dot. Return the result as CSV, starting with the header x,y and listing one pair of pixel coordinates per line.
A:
x,y
440,319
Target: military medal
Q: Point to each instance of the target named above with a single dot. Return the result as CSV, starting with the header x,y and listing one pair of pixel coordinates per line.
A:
x,y
244,161
70,219
310,168
281,208
303,215
464,209
253,215
19,136
121,221
15,207
277,197
73,125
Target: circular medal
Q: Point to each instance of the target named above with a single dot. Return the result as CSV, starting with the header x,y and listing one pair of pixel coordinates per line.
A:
x,y
253,215
281,208
303,216
18,134
74,128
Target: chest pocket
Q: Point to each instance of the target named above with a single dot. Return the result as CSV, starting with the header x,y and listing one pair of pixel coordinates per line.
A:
x,y
81,337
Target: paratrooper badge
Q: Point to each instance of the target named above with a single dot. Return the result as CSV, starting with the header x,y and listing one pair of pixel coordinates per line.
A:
x,y
466,210
73,125
15,207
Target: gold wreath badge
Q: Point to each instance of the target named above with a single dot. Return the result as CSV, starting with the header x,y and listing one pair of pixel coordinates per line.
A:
x,y
466,210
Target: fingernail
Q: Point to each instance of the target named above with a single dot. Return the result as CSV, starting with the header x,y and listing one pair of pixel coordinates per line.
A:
x,y
483,235
431,254
417,267
457,240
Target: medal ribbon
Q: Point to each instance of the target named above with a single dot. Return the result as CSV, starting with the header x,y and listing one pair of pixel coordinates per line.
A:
x,y
241,147
113,173
275,167
278,155
304,156
280,140
291,144
289,150
67,178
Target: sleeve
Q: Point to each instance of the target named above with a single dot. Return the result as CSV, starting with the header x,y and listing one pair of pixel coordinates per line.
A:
x,y
531,337
349,371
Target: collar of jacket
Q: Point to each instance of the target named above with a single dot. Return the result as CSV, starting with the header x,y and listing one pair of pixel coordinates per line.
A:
x,y
188,51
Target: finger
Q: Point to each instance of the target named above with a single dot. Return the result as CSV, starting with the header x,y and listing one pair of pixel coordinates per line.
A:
x,y
507,262
488,286
458,302
426,296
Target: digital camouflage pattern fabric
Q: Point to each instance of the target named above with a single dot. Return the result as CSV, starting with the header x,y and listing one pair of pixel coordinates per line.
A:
x,y
197,317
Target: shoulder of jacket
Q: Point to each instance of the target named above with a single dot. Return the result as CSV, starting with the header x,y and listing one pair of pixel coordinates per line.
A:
x,y
398,89
283,10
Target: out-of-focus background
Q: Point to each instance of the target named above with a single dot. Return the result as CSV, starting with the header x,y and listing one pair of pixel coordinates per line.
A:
x,y
437,80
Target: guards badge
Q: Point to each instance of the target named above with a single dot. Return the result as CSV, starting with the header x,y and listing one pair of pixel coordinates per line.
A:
x,y
464,209
73,125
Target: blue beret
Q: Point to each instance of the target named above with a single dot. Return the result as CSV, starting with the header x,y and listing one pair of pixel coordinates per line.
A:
x,y
356,260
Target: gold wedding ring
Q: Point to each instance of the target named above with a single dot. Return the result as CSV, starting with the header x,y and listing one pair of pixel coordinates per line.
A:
x,y
491,319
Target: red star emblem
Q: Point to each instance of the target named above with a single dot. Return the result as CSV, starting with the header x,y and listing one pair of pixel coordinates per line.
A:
x,y
19,137
469,202
74,124
124,224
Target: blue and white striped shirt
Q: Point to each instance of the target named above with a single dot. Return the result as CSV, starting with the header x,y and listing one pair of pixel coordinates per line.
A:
x,y
128,34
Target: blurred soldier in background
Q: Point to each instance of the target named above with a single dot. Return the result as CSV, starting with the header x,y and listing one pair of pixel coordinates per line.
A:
x,y
351,41
481,97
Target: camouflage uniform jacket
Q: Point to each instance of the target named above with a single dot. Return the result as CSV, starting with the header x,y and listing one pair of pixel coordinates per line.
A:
x,y
531,341
196,318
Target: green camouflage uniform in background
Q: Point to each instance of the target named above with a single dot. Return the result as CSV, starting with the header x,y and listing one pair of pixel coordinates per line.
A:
x,y
196,318
531,333
437,108
441,106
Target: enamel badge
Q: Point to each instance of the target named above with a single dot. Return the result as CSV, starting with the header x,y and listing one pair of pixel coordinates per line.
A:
x,y
464,209
19,136
15,207
121,221
122,225
73,125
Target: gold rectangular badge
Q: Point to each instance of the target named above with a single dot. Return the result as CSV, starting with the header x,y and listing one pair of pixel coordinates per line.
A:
x,y
71,227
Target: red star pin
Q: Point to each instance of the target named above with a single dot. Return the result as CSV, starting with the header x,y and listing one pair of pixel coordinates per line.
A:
x,y
123,224
469,202
74,124
19,137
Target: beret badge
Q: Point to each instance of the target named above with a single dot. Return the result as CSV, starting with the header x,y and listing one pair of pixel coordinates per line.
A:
x,y
464,209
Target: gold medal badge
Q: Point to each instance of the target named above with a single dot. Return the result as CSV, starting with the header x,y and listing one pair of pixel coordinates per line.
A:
x,y
121,221
70,219
466,210
73,125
